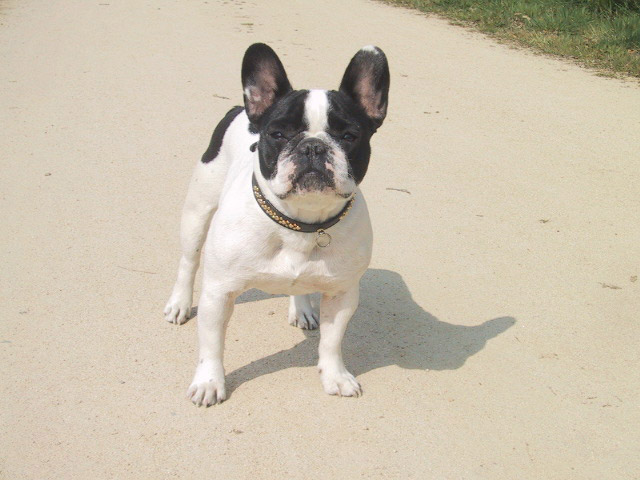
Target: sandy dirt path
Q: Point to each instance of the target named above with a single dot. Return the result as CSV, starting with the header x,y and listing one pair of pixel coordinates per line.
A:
x,y
497,336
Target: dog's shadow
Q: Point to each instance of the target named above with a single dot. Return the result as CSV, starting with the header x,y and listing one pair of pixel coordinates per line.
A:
x,y
388,328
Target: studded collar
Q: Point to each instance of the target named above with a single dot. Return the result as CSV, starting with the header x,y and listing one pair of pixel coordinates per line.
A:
x,y
323,239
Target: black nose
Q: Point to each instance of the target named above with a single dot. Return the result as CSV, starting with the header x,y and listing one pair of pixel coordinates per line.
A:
x,y
312,148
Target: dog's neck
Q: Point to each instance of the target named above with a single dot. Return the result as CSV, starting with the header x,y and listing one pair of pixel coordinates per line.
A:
x,y
311,208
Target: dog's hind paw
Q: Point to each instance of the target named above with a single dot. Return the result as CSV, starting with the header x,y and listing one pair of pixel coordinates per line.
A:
x,y
301,313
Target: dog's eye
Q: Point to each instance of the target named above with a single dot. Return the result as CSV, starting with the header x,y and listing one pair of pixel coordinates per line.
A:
x,y
349,137
277,135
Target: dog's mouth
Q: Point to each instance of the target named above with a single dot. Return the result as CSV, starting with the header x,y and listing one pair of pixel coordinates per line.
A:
x,y
312,178
313,181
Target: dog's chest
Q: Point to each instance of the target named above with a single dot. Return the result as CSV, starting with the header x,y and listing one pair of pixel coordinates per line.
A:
x,y
297,271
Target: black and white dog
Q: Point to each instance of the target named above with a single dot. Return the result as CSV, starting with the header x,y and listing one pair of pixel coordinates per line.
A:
x,y
281,176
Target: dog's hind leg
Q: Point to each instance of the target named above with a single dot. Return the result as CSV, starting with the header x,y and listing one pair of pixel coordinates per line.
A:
x,y
200,205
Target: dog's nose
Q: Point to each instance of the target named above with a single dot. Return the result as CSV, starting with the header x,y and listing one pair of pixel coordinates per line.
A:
x,y
312,147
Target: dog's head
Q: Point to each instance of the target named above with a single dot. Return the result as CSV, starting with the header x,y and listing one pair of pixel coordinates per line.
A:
x,y
314,143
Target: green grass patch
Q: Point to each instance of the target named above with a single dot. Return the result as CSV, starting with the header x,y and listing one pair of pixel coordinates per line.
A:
x,y
604,34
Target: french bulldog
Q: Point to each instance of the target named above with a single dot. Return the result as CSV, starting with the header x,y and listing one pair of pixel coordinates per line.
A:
x,y
276,204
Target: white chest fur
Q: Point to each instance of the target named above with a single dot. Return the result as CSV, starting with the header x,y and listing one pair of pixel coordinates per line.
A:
x,y
258,253
299,266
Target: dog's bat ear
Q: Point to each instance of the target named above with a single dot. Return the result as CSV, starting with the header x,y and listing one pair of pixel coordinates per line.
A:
x,y
366,81
264,80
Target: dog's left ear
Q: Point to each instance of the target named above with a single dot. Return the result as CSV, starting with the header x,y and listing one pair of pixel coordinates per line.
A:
x,y
264,80
366,81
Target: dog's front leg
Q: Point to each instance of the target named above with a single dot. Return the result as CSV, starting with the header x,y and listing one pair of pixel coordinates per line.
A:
x,y
335,313
214,311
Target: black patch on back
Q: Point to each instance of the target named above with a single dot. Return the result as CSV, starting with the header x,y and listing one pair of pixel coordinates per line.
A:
x,y
218,134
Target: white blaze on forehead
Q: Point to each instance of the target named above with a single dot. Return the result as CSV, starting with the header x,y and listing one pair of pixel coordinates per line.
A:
x,y
316,110
370,49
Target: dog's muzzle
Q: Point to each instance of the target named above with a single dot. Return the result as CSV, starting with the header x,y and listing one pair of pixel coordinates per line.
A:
x,y
311,173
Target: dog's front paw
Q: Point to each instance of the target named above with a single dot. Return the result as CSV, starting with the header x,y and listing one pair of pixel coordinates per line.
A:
x,y
207,387
301,313
339,382
206,393
178,308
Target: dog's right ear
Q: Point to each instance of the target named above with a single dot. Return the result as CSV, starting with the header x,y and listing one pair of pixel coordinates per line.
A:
x,y
263,79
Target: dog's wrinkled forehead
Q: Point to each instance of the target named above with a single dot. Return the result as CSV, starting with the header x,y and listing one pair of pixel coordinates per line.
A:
x,y
315,111
306,110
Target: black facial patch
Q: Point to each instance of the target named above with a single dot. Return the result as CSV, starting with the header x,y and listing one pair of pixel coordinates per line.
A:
x,y
284,124
218,134
285,118
352,129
